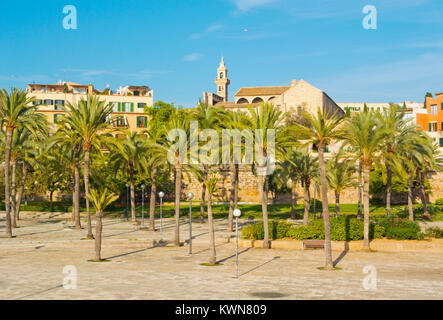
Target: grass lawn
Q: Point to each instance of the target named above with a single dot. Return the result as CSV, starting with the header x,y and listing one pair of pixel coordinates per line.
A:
x,y
280,211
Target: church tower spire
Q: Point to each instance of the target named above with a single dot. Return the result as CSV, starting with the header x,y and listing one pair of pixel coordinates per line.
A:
x,y
222,81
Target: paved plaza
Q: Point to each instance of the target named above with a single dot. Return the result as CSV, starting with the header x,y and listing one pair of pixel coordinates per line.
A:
x,y
31,267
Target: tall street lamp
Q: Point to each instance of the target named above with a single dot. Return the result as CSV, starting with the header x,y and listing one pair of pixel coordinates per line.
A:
x,y
237,214
143,204
190,196
161,194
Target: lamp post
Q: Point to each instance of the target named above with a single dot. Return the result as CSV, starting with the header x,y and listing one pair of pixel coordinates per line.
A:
x,y
190,196
315,189
161,194
127,201
237,214
143,204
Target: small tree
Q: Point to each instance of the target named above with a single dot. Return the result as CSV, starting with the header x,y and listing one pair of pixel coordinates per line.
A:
x,y
100,200
211,185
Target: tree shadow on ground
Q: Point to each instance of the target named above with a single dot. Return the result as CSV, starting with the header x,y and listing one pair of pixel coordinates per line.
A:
x,y
259,266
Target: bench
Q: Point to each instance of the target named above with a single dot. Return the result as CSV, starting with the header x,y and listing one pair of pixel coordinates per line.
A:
x,y
313,244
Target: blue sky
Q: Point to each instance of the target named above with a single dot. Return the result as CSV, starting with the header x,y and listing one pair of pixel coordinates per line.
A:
x,y
174,46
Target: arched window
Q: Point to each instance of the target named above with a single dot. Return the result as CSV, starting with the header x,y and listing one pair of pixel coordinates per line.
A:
x,y
242,100
221,75
257,100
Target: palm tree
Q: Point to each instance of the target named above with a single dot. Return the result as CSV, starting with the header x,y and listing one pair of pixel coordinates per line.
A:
x,y
175,154
88,118
211,184
100,201
208,117
393,124
340,175
237,122
321,130
365,137
305,169
16,111
270,140
70,142
129,153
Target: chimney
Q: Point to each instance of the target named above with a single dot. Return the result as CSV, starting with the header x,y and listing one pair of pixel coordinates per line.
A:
x,y
90,89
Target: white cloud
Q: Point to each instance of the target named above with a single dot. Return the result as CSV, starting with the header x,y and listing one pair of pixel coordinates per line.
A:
x,y
192,57
245,5
207,31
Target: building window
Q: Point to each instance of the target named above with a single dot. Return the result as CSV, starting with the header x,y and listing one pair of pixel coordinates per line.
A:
x,y
442,106
58,104
115,106
36,102
141,105
441,142
434,110
221,75
56,116
48,102
142,122
136,93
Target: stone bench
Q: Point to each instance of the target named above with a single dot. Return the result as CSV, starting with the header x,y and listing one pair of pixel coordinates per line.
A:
x,y
313,244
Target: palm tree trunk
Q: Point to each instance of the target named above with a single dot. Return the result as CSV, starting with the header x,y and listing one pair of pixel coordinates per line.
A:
x,y
87,157
98,236
307,204
178,186
388,188
366,177
212,253
293,202
76,194
337,203
203,195
359,213
324,194
231,202
22,189
426,214
131,174
264,204
8,228
14,193
410,207
152,200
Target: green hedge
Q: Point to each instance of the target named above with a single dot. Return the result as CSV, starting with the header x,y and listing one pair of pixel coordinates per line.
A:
x,y
401,229
277,230
342,229
439,202
434,232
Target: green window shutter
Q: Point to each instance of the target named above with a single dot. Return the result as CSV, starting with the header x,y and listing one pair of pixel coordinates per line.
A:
x,y
55,118
146,122
430,127
441,142
442,106
138,122
119,107
132,107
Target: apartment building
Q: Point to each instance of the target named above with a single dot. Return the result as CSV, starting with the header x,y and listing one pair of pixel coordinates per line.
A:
x,y
128,102
432,120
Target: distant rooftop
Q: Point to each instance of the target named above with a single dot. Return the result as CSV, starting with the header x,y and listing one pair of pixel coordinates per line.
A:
x,y
261,91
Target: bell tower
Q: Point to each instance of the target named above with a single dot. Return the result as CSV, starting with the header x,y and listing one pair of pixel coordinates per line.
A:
x,y
222,81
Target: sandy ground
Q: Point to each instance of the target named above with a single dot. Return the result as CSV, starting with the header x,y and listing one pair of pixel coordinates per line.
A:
x,y
32,264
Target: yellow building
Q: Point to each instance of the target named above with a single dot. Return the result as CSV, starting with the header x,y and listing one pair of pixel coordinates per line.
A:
x,y
128,102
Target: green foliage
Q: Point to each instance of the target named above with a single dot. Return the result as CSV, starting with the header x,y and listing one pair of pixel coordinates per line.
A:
x,y
342,229
318,204
439,202
400,229
434,232
277,230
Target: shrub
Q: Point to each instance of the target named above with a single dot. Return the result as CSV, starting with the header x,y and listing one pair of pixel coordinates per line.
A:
x,y
342,229
401,229
318,204
434,232
439,202
277,230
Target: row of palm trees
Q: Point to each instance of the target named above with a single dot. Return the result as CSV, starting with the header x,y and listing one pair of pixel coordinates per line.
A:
x,y
84,137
